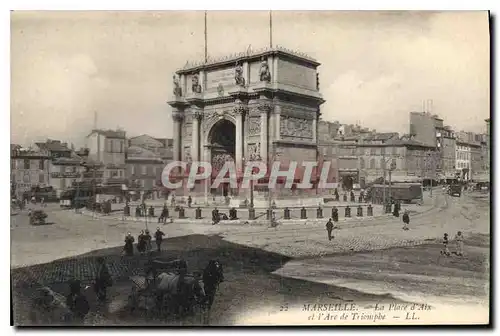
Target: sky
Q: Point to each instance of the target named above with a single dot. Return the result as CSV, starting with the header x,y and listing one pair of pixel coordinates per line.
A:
x,y
376,67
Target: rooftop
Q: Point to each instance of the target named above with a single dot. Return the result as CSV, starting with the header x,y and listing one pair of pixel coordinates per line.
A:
x,y
53,146
249,53
117,134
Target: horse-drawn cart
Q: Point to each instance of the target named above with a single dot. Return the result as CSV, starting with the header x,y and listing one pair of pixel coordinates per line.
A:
x,y
38,217
171,292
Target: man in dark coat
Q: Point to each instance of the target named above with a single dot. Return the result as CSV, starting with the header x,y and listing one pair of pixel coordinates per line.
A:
x,y
77,302
164,214
406,220
103,280
141,242
129,244
190,201
147,241
335,215
215,216
329,229
159,238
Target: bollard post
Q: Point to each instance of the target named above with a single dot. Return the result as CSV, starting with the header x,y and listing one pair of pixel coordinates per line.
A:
x,y
345,198
303,213
286,213
198,213
319,213
347,211
269,214
360,211
369,210
388,208
251,213
181,213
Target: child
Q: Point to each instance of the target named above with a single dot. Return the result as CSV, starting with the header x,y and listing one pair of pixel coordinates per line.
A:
x,y
460,243
406,220
445,250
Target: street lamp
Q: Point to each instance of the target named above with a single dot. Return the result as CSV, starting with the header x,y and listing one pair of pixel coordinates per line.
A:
x,y
431,160
245,162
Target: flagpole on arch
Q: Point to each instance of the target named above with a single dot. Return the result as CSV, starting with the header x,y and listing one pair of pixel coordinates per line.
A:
x,y
271,29
206,42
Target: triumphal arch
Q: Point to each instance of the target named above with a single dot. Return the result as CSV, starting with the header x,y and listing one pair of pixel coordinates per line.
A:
x,y
255,105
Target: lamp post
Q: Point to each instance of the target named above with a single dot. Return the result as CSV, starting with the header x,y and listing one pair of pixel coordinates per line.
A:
x,y
432,162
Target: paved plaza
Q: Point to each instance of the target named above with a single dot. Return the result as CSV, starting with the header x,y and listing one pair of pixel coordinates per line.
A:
x,y
275,262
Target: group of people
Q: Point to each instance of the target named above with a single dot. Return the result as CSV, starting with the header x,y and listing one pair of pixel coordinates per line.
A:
x,y
459,240
144,242
330,226
77,301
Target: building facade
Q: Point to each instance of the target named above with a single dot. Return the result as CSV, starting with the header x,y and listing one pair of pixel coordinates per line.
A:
x,y
65,166
446,146
407,159
29,168
143,172
470,161
106,155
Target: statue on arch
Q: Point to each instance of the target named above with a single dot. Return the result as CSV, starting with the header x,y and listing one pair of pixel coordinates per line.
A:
x,y
177,87
196,87
265,74
317,81
238,75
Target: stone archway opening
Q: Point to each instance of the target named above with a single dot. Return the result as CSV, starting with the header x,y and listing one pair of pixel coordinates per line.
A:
x,y
222,142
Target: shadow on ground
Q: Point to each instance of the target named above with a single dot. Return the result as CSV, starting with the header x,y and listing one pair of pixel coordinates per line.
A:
x,y
249,284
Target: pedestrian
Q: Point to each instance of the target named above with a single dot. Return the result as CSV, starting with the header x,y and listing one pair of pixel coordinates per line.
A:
x,y
77,302
159,238
147,241
103,280
459,239
141,243
129,245
329,228
215,216
445,250
335,216
190,201
406,220
395,213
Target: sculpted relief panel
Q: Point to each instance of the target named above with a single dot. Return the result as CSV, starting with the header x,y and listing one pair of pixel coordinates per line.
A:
x,y
254,151
253,126
295,127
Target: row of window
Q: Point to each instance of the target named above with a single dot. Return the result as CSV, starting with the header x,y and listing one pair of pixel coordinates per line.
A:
x,y
340,151
115,146
373,164
27,164
463,156
145,170
461,165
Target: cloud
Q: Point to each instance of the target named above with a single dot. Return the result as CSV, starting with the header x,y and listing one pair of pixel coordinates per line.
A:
x,y
376,66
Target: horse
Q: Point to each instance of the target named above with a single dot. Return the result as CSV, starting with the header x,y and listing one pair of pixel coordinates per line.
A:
x,y
181,292
213,275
